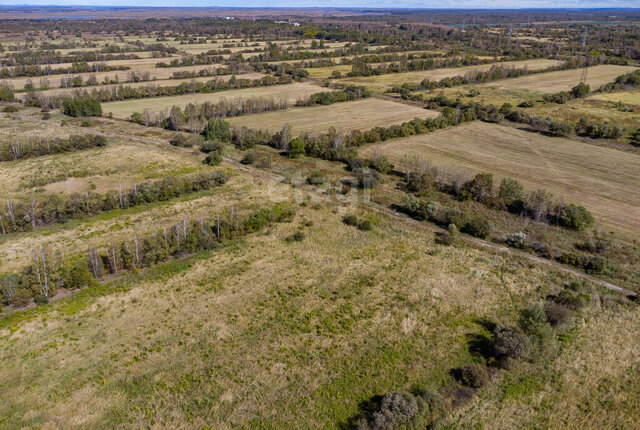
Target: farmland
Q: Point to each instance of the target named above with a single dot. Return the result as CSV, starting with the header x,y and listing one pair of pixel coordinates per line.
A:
x,y
383,82
563,166
330,218
290,93
564,80
358,115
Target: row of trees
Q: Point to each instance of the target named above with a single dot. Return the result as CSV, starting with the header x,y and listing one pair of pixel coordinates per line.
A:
x,y
33,70
125,92
50,270
539,205
16,216
16,150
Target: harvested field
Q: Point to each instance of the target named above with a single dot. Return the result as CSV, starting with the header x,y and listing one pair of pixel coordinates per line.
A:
x,y
290,92
384,82
564,80
357,115
602,179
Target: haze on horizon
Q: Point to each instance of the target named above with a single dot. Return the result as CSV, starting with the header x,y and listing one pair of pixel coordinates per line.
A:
x,y
441,4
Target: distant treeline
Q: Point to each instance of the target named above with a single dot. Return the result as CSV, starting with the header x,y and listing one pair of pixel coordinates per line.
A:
x,y
34,71
50,270
17,150
16,216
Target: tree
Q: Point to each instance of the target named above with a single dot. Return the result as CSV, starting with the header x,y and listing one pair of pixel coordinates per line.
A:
x,y
216,129
580,90
296,148
575,217
213,159
510,191
480,186
6,93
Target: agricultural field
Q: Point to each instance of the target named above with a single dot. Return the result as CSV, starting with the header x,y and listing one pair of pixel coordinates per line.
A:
x,y
291,93
158,82
439,256
54,81
384,82
566,167
626,97
357,115
564,80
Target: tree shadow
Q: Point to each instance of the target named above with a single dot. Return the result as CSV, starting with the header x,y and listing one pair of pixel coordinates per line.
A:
x,y
366,409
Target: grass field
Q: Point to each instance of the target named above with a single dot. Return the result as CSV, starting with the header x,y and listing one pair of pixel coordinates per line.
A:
x,y
384,82
631,97
252,334
158,82
290,92
564,80
358,115
602,179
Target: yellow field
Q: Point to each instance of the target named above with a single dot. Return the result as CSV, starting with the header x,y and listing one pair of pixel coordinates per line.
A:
x,y
384,82
631,97
290,92
358,115
158,82
564,80
604,180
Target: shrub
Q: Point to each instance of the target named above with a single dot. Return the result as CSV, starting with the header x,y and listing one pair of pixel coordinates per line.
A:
x,y
365,225
298,236
351,220
510,342
516,240
478,227
249,158
46,116
474,375
316,178
557,314
81,106
444,238
211,146
11,108
580,90
526,104
86,122
397,408
181,140
296,148
6,93
366,178
381,164
533,322
213,159
575,217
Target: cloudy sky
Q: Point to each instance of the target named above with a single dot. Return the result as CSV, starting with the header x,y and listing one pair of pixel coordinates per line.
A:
x,y
347,3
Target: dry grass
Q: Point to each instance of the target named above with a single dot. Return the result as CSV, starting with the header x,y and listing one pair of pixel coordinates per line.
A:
x,y
290,92
358,115
563,80
384,82
627,97
604,180
239,339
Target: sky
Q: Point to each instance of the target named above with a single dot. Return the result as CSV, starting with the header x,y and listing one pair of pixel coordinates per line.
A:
x,y
492,4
